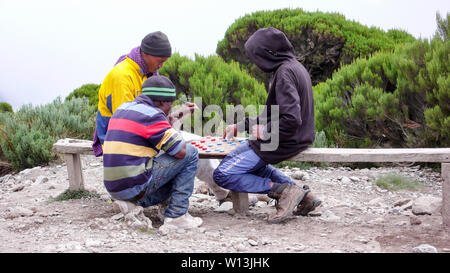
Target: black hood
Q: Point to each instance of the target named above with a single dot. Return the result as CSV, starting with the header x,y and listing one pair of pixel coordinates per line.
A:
x,y
268,48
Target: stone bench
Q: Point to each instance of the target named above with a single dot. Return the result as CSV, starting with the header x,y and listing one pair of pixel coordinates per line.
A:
x,y
72,148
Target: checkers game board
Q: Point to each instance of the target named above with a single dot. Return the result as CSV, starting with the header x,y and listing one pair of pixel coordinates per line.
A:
x,y
215,147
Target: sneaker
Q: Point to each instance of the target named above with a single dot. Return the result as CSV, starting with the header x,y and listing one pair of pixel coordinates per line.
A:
x,y
290,197
123,206
183,222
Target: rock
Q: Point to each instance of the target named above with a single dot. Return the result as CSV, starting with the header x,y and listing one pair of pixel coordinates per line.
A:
x,y
70,247
252,200
25,172
5,178
92,243
299,175
329,216
376,202
424,248
355,179
19,212
18,188
345,180
224,207
261,204
426,205
117,217
253,242
137,220
401,202
41,179
298,248
414,220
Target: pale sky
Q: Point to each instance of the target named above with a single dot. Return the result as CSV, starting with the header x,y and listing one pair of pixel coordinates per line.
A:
x,y
51,47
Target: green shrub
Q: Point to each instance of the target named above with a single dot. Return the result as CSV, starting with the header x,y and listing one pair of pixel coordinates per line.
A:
x,y
322,41
5,107
394,182
399,99
216,82
27,136
89,90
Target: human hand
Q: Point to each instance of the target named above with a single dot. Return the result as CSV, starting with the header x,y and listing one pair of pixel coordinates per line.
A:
x,y
257,131
230,131
186,109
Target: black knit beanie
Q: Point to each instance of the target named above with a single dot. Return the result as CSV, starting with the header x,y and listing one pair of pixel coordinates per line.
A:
x,y
159,88
156,44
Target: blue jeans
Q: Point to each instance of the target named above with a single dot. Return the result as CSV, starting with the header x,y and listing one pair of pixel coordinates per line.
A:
x,y
243,170
174,178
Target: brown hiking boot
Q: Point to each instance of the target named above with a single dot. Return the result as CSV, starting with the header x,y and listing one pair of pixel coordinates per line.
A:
x,y
309,203
288,200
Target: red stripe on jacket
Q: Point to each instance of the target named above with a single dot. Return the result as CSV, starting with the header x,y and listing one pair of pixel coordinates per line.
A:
x,y
136,128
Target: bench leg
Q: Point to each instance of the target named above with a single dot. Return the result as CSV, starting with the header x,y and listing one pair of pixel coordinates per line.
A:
x,y
76,181
240,201
445,173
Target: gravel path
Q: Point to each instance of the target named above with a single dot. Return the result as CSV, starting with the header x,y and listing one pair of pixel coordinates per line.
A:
x,y
356,216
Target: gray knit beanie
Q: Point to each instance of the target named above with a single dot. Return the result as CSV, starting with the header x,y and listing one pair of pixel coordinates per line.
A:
x,y
159,88
156,44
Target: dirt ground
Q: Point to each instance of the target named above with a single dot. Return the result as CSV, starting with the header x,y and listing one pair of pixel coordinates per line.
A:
x,y
356,216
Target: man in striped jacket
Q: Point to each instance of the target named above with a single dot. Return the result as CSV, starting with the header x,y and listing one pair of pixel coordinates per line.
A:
x,y
145,160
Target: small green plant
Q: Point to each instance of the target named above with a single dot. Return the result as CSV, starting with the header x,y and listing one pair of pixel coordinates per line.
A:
x,y
143,230
74,194
394,182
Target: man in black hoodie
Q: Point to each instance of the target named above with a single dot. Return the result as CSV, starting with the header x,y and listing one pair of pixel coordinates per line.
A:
x,y
287,121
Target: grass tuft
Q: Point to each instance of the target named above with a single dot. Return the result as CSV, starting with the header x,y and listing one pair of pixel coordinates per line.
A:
x,y
394,182
78,194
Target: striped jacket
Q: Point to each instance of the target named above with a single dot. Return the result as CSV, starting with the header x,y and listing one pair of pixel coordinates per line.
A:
x,y
137,131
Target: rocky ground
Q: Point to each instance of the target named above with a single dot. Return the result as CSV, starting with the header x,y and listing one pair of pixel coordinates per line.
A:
x,y
356,216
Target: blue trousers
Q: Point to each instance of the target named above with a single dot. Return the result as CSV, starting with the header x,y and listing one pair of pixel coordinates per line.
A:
x,y
174,178
243,170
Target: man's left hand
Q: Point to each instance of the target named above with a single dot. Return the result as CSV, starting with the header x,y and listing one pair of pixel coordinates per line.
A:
x,y
257,131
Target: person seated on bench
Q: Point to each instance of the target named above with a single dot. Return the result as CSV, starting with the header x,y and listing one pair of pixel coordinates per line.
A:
x,y
123,83
134,173
247,168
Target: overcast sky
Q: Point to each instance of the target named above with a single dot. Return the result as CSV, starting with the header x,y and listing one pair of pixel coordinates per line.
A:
x,y
50,47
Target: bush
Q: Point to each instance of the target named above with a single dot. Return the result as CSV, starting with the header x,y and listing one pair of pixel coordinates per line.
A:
x,y
323,41
89,91
216,82
5,107
399,99
27,136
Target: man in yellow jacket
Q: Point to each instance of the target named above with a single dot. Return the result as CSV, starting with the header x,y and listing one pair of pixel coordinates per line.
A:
x,y
123,83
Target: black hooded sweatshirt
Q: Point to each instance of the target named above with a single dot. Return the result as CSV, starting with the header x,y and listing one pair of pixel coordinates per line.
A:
x,y
290,88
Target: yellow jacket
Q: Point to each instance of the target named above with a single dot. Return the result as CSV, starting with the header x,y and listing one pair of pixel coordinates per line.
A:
x,y
122,84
